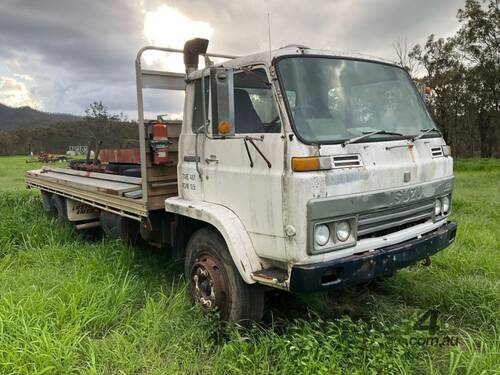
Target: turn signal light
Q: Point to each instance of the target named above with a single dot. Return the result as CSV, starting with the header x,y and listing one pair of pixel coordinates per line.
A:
x,y
224,127
306,164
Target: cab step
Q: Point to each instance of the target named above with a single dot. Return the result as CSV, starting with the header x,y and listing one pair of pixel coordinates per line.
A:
x,y
274,277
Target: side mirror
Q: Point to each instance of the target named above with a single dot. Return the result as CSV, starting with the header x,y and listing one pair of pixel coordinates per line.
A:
x,y
222,102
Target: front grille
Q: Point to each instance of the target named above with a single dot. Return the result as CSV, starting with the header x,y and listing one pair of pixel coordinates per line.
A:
x,y
381,221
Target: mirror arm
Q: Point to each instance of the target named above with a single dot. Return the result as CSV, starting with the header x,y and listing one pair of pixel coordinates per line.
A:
x,y
250,139
248,152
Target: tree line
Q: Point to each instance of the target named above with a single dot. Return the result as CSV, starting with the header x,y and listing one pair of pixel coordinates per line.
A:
x,y
463,72
115,131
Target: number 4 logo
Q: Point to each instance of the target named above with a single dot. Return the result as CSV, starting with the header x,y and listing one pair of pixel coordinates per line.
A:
x,y
430,315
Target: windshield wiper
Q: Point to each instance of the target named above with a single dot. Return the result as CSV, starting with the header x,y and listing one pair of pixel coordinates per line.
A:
x,y
367,135
424,132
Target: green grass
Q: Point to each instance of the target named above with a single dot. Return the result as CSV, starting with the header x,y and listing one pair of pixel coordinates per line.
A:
x,y
12,170
68,305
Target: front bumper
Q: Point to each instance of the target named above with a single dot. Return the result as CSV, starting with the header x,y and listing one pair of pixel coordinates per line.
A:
x,y
359,268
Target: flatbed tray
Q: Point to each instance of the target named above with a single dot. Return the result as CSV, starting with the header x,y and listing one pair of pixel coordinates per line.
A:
x,y
89,181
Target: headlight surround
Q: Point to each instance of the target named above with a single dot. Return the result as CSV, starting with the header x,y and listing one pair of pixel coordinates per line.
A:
x,y
343,230
321,234
445,203
437,207
442,207
333,235
446,150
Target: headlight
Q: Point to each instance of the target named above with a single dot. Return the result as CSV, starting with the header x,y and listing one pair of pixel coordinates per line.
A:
x,y
437,207
445,202
343,230
446,150
321,234
332,235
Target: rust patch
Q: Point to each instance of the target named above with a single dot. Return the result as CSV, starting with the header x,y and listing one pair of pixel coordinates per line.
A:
x,y
410,153
128,156
107,191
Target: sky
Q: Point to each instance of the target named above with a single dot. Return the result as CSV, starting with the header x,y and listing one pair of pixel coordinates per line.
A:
x,y
60,56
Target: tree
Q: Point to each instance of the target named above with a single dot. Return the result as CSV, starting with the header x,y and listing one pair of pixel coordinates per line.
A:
x,y
405,57
100,123
464,72
98,112
479,41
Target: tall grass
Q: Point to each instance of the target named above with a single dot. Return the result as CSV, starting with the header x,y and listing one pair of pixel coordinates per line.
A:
x,y
68,305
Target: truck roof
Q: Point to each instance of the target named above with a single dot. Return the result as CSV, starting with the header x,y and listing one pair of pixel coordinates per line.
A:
x,y
267,56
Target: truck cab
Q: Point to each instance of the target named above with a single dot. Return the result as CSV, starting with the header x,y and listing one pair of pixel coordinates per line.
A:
x,y
297,169
332,168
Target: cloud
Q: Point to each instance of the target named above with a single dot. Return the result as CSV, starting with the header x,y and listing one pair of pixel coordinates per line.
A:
x,y
15,93
155,24
24,77
77,51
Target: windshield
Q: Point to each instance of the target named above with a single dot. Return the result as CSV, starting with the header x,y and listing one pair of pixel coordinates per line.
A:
x,y
334,99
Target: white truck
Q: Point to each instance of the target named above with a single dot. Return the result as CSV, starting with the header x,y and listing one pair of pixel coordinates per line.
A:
x,y
297,169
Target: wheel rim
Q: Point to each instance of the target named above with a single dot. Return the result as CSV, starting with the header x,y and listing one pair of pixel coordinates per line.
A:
x,y
208,283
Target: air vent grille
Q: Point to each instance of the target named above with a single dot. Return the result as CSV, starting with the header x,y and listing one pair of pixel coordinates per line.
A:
x,y
346,161
436,152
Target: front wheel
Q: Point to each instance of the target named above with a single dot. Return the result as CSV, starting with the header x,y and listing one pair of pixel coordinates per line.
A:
x,y
214,281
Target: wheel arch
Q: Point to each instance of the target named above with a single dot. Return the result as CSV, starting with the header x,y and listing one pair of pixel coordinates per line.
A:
x,y
224,221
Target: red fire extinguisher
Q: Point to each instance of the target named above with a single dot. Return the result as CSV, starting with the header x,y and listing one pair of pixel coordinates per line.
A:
x,y
159,142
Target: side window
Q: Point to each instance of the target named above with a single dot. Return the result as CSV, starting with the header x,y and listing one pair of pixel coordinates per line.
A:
x,y
254,107
198,108
292,98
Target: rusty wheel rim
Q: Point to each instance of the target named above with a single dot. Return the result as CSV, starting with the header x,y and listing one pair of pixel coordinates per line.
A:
x,y
208,283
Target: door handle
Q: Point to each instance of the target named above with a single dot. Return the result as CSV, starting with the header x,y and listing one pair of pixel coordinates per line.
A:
x,y
212,159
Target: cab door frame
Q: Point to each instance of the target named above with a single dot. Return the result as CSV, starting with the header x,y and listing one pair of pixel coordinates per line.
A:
x,y
253,192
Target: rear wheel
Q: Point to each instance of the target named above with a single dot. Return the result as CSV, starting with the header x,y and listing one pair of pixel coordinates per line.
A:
x,y
46,199
119,227
214,281
59,208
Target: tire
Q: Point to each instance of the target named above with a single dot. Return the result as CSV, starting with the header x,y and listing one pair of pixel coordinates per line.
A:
x,y
119,227
215,283
59,208
46,199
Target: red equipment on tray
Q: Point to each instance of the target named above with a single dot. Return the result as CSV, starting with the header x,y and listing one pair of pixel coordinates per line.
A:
x,y
158,140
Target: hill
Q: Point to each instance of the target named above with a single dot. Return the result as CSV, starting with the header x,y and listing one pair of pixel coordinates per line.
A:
x,y
28,118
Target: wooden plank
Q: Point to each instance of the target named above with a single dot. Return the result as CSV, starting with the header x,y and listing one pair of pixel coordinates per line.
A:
x,y
85,183
169,178
164,191
99,200
163,171
96,175
162,184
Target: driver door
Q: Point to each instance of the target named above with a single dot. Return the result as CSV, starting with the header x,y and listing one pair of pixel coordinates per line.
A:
x,y
245,175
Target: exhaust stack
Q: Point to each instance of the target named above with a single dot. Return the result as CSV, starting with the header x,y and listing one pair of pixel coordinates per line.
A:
x,y
192,50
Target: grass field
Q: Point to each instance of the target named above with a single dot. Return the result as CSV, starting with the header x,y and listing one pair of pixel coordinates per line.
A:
x,y
68,305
